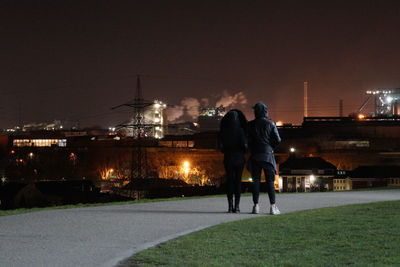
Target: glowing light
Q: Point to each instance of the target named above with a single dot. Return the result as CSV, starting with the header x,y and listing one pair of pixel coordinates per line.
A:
x,y
251,179
312,178
292,150
156,120
361,116
30,155
106,173
279,123
12,151
389,99
157,105
186,168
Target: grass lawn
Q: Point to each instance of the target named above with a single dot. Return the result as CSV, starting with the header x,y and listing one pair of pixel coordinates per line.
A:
x,y
359,235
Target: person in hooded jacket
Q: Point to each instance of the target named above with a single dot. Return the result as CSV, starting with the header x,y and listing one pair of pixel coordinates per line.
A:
x,y
232,142
263,138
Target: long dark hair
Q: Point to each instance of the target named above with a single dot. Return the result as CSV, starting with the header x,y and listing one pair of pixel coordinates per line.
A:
x,y
233,118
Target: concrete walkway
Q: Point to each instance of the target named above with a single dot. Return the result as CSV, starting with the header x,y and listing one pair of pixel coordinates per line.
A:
x,y
103,236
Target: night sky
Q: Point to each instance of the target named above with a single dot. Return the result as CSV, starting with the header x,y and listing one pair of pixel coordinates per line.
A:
x,y
74,60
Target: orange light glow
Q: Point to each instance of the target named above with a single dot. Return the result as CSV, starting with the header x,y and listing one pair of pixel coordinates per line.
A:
x,y
106,173
279,123
361,116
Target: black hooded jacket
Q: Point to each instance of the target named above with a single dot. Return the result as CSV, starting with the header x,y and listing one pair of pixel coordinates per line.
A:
x,y
232,137
263,136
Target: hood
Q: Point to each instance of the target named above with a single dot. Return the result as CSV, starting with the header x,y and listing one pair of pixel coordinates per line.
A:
x,y
260,110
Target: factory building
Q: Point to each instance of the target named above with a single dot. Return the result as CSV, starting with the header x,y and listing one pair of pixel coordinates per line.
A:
x,y
386,101
210,118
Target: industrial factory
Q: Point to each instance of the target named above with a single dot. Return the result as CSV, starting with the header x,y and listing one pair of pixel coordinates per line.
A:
x,y
386,101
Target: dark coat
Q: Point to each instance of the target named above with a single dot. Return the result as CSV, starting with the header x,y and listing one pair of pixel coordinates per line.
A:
x,y
232,137
263,136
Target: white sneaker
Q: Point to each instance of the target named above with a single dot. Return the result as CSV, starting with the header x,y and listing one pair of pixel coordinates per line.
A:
x,y
256,209
274,210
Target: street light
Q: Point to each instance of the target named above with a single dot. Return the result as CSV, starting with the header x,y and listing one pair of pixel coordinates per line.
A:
x,y
292,150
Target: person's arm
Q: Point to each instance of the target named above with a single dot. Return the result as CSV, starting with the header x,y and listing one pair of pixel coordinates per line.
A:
x,y
275,139
248,136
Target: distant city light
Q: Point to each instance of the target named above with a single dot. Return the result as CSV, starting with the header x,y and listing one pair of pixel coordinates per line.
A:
x,y
279,123
30,155
292,150
186,167
361,116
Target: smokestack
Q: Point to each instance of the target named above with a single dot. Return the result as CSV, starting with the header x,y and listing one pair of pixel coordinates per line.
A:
x,y
305,99
341,108
139,94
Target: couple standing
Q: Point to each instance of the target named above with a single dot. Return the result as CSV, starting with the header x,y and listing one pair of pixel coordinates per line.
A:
x,y
261,137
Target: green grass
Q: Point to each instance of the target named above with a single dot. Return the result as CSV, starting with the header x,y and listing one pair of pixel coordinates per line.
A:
x,y
356,235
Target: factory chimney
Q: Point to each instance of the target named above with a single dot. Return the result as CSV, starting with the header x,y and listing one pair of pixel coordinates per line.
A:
x,y
305,99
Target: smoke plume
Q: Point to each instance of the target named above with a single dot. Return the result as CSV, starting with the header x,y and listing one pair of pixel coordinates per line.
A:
x,y
192,106
174,113
228,100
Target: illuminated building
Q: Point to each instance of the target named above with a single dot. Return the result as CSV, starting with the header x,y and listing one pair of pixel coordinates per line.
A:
x,y
210,118
387,101
155,116
307,174
39,142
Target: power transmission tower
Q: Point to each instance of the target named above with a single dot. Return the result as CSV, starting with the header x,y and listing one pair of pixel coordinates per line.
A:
x,y
139,127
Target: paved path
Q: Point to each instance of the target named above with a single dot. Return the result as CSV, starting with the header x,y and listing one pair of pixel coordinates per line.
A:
x,y
102,236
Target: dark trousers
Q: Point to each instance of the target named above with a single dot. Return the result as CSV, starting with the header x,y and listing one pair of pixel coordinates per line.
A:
x,y
234,170
269,171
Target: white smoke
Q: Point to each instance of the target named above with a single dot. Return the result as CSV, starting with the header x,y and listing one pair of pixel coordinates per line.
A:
x,y
174,113
205,101
228,100
192,106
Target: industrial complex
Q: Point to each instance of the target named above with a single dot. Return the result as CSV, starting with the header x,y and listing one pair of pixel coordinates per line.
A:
x,y
321,154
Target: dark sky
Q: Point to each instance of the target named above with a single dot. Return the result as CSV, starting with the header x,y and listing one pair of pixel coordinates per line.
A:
x,y
73,60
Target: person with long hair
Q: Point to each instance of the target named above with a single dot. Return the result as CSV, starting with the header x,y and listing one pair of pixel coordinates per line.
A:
x,y
233,143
